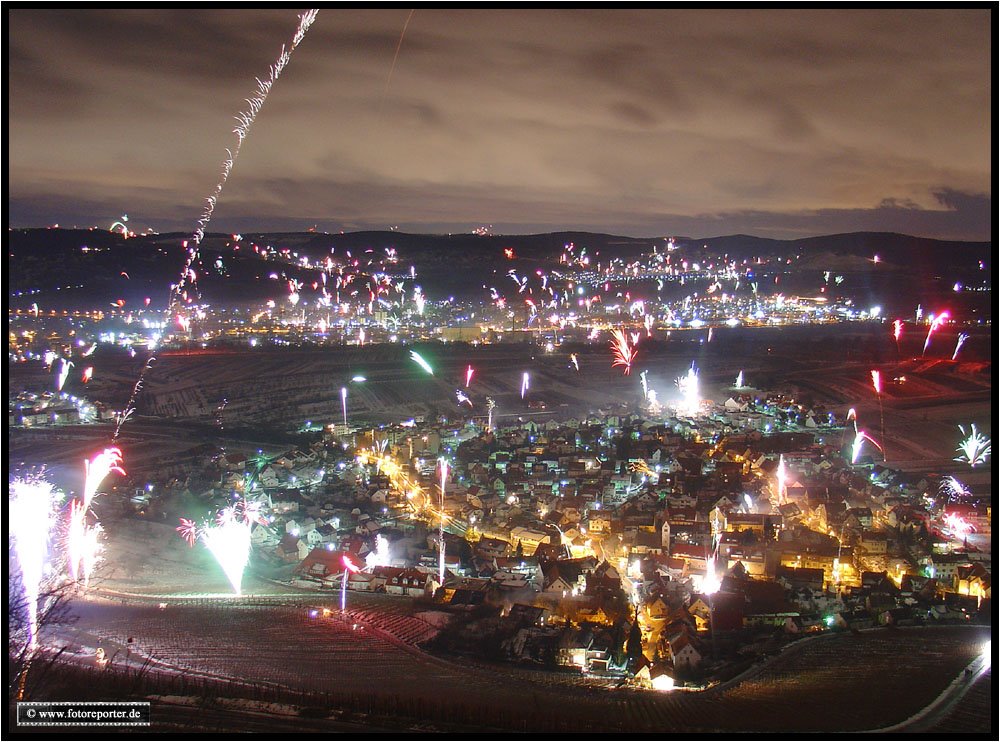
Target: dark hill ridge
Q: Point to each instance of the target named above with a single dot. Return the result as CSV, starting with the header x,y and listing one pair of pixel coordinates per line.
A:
x,y
459,264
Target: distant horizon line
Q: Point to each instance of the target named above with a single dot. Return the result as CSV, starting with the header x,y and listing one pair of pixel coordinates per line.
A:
x,y
221,233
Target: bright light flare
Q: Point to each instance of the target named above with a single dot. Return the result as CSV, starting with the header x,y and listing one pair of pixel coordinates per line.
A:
x,y
859,438
962,337
938,321
468,376
525,384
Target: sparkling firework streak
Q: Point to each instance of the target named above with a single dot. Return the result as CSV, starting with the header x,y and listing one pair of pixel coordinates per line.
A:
x,y
462,397
975,449
108,462
468,376
525,383
938,321
421,362
490,406
860,438
962,337
349,567
959,526
126,413
574,361
228,538
244,120
88,373
343,401
31,515
897,331
739,380
645,386
877,381
623,351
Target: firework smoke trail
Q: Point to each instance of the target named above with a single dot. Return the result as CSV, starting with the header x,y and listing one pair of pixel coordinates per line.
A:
x,y
877,384
975,449
31,508
860,438
421,362
468,376
343,401
244,120
938,321
525,383
624,353
962,337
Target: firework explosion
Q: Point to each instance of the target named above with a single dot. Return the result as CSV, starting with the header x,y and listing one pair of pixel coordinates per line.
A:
x,y
380,556
31,513
950,487
975,448
624,352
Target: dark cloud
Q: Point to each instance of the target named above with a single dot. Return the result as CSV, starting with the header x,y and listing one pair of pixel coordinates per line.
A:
x,y
644,122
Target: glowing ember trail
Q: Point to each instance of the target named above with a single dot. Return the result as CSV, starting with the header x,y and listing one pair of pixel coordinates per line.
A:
x,y
962,337
938,321
623,351
444,479
421,362
975,449
31,515
781,476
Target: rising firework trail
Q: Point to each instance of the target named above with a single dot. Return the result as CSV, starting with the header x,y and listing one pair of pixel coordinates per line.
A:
x,y
975,448
782,478
739,380
622,350
64,368
245,120
490,406
962,337
395,57
421,362
31,514
343,401
525,382
468,376
938,321
349,567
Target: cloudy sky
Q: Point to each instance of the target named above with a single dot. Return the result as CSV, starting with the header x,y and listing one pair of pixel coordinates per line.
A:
x,y
640,122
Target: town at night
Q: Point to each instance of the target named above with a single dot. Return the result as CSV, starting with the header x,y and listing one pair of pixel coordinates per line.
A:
x,y
560,372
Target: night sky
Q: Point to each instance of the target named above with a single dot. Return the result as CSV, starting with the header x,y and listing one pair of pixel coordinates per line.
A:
x,y
645,122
